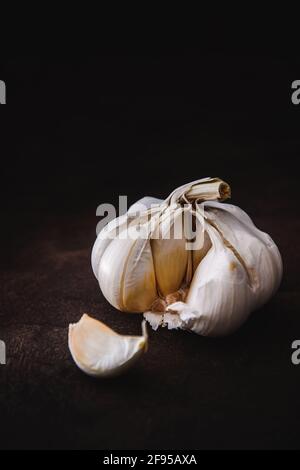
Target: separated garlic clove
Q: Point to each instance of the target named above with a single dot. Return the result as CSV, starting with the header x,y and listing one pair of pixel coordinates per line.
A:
x,y
101,352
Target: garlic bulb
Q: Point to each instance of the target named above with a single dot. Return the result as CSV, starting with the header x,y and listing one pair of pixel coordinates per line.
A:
x,y
101,352
207,280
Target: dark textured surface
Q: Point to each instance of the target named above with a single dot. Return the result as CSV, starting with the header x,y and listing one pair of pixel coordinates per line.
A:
x,y
187,391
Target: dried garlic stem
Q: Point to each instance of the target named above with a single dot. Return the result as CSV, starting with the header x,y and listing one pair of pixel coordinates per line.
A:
x,y
209,191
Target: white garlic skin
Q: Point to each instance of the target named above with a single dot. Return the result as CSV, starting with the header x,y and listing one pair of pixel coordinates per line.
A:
x,y
222,293
240,271
124,267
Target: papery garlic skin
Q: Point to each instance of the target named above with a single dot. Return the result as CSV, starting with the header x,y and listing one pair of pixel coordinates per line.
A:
x,y
235,271
224,290
124,266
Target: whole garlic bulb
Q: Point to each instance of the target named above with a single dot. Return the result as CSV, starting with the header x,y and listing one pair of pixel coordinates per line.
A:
x,y
209,286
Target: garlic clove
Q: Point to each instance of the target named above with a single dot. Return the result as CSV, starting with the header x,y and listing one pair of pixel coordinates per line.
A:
x,y
104,238
101,352
255,249
111,268
170,256
126,275
199,254
139,284
118,225
201,242
123,263
220,299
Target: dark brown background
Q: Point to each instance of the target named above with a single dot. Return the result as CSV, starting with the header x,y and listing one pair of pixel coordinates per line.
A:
x,y
79,131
